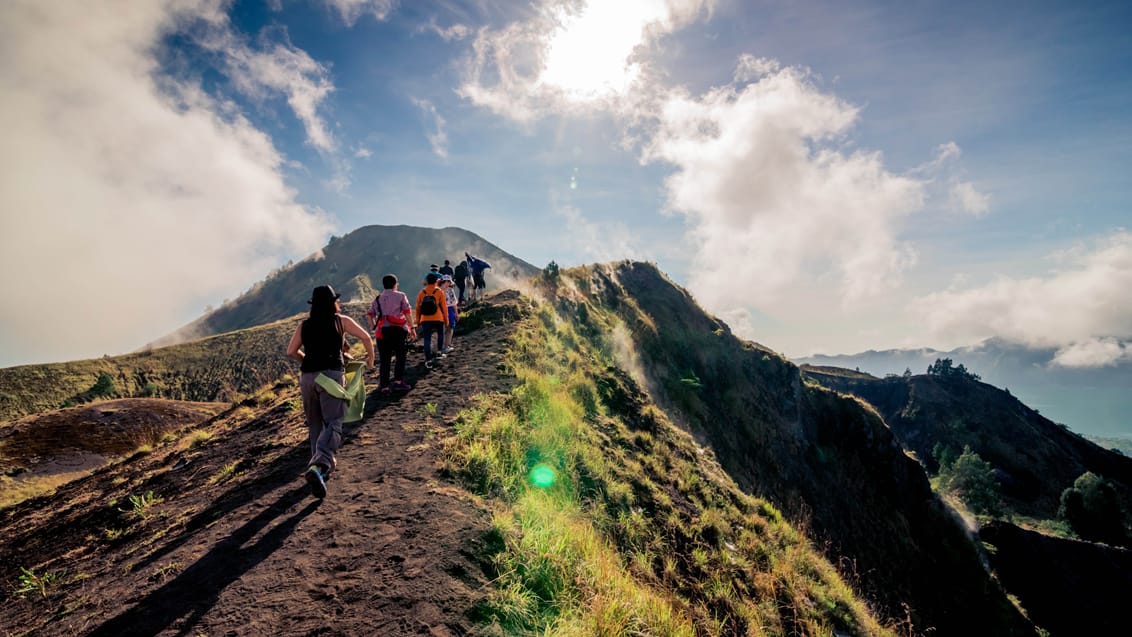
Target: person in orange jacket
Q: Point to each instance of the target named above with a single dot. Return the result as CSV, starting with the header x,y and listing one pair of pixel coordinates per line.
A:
x,y
432,316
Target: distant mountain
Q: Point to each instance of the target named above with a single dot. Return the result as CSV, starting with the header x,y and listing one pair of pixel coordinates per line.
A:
x,y
1034,458
354,265
1091,401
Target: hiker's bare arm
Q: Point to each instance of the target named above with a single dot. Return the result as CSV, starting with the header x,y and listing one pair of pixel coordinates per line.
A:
x,y
351,327
296,343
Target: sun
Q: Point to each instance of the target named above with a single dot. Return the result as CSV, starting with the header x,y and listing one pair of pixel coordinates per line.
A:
x,y
588,54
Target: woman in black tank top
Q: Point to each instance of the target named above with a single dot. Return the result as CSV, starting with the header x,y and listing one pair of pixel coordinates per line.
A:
x,y
318,344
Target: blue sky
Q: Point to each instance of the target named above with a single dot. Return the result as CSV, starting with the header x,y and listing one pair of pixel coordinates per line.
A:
x,y
826,176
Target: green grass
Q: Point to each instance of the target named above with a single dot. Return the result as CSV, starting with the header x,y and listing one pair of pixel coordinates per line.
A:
x,y
142,505
30,582
611,522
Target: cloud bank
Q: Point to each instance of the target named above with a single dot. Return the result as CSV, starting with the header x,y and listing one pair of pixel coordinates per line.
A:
x,y
130,200
1082,307
773,199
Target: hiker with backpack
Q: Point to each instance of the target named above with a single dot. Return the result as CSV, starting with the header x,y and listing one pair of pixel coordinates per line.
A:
x,y
432,317
446,269
391,317
476,267
460,277
319,344
449,287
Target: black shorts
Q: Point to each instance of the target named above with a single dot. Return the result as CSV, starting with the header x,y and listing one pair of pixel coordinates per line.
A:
x,y
480,284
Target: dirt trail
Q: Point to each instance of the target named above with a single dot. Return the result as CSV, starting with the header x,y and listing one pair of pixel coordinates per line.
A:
x,y
390,551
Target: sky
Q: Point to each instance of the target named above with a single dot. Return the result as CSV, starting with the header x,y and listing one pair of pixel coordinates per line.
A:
x,y
827,176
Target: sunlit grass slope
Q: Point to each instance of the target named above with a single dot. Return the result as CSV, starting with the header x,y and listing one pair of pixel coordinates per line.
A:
x,y
611,521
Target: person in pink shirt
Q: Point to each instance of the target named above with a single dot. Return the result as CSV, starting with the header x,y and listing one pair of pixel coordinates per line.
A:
x,y
391,317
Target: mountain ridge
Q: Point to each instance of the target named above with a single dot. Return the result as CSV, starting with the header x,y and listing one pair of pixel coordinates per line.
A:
x,y
1092,401
222,536
353,265
713,465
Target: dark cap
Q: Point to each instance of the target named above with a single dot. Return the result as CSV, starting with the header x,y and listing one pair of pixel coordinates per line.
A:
x,y
323,294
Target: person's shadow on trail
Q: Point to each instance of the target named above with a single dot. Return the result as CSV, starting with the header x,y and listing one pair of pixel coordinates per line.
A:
x,y
196,589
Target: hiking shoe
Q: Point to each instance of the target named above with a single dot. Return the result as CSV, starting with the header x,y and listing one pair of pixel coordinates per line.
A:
x,y
400,385
317,481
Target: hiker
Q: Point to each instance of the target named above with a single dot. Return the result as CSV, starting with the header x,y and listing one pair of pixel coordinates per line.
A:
x,y
391,317
460,276
319,344
476,266
449,287
432,316
446,268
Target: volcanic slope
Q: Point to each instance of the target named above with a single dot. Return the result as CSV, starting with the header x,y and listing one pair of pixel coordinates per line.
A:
x,y
354,265
827,460
217,535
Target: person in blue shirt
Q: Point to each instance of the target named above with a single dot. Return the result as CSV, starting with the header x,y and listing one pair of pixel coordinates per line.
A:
x,y
476,267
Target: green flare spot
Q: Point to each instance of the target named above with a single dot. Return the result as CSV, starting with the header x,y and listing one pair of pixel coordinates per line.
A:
x,y
543,476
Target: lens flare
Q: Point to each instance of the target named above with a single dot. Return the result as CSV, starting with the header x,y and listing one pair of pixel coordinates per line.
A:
x,y
542,476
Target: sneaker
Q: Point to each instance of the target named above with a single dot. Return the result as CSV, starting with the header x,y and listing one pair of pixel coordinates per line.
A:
x,y
385,391
400,385
317,482
428,364
442,355
447,350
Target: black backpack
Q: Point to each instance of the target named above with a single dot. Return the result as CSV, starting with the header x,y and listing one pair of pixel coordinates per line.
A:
x,y
429,306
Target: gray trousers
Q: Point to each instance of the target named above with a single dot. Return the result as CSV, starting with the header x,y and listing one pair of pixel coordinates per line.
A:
x,y
324,414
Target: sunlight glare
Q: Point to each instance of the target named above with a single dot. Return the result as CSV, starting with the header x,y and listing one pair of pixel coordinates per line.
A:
x,y
588,55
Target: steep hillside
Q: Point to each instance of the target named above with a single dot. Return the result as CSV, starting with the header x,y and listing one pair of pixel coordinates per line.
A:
x,y
1035,458
354,264
1071,587
828,461
526,486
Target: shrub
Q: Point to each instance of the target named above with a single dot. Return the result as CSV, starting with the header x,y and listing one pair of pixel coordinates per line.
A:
x,y
972,479
104,387
550,272
945,368
1092,508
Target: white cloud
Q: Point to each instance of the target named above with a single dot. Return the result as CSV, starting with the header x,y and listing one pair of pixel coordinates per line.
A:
x,y
1083,306
943,175
571,56
750,68
351,10
448,34
127,205
276,68
1093,352
772,198
966,197
362,152
438,138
